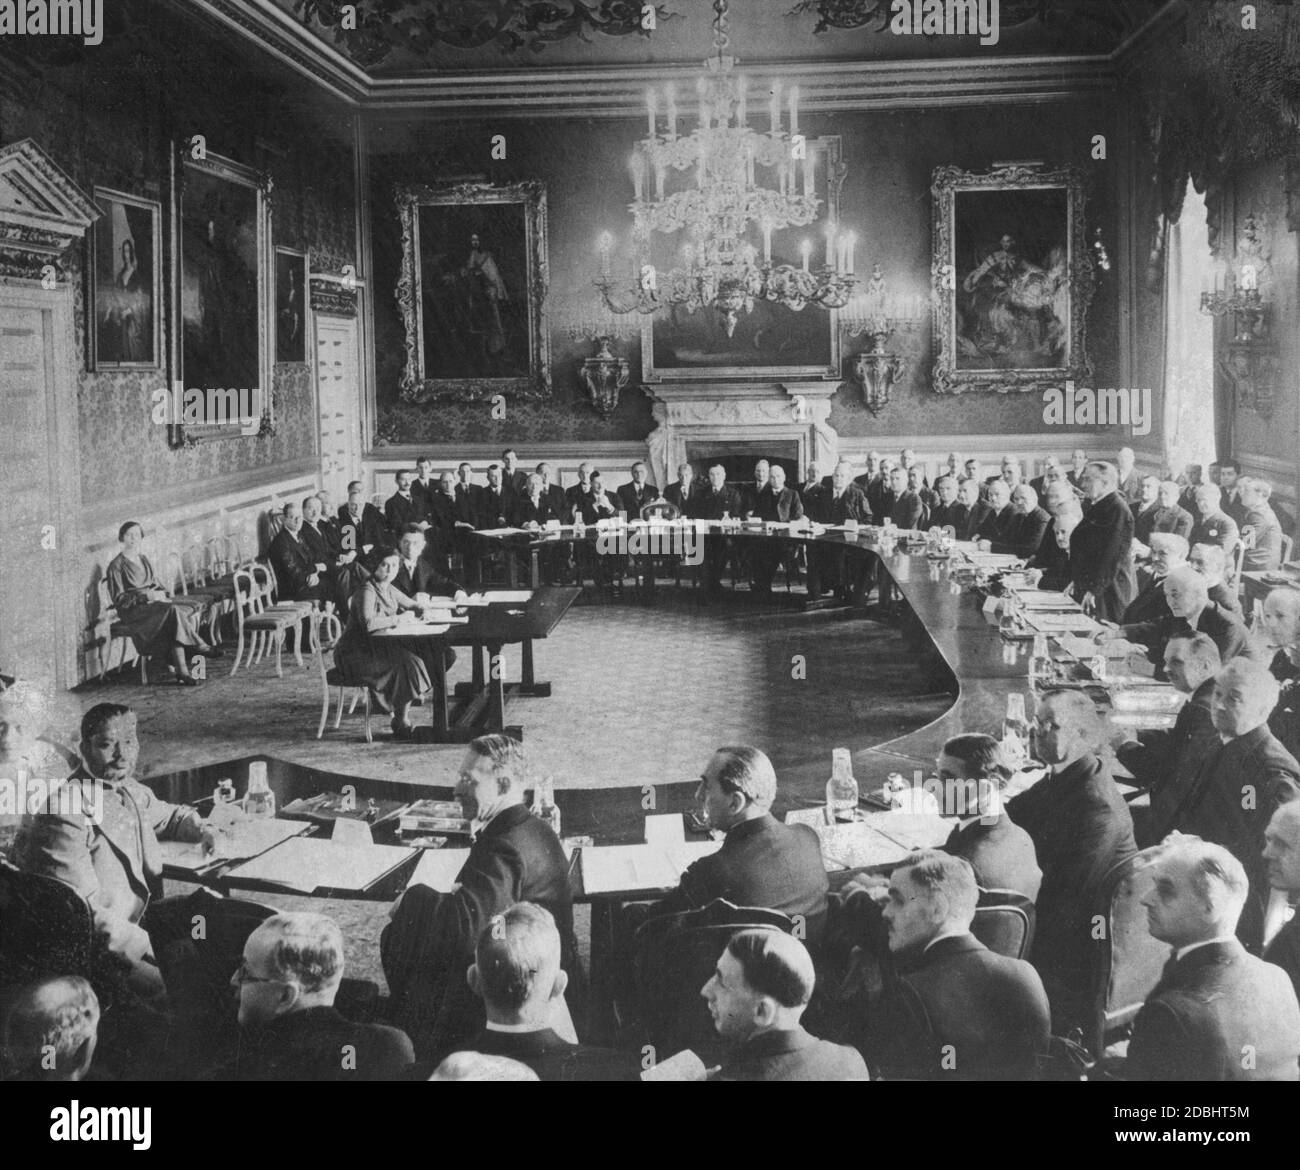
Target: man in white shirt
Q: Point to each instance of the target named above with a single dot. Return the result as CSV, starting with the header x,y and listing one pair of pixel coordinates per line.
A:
x,y
1218,1013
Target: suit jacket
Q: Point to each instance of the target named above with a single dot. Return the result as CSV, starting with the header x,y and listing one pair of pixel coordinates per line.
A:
x,y
1217,1014
1266,555
881,502
959,1012
941,515
1052,559
423,494
1149,605
496,508
1023,533
1216,528
516,481
399,511
1001,854
752,497
559,502
972,518
710,504
319,1044
440,511
764,863
586,506
112,861
852,505
321,542
1223,626
792,1056
429,944
780,508
1255,770
425,579
1284,951
684,504
908,510
1144,520
1130,487
1233,507
814,498
994,524
354,535
1176,520
553,1058
1101,556
631,501
1166,760
294,562
469,502
540,512
1081,828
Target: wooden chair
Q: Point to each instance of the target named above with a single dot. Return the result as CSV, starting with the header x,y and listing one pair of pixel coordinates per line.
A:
x,y
1004,922
117,632
329,633
265,625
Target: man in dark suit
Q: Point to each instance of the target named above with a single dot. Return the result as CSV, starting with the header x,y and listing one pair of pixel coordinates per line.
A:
x,y
1239,784
813,495
1053,555
1227,474
553,492
971,511
1167,552
948,1007
762,862
534,506
908,510
320,534
1259,519
684,492
1101,547
468,494
829,566
418,573
754,493
574,491
1128,478
632,497
292,968
1218,1013
718,500
423,487
361,526
1282,856
497,503
1148,506
1166,760
1023,532
1171,516
513,476
1051,471
517,974
298,575
993,527
868,477
1190,612
757,996
402,508
594,503
446,529
880,493
516,857
1078,461
999,851
944,512
777,505
1213,525
1081,828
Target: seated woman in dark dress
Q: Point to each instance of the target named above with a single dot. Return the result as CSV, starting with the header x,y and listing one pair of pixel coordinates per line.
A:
x,y
157,622
397,674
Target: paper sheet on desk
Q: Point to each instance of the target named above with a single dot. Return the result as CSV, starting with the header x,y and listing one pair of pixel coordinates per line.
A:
x,y
507,596
439,868
609,869
911,830
306,865
1062,623
501,531
250,839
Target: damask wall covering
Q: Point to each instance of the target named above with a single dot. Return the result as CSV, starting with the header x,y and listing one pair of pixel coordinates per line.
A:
x,y
106,117
886,199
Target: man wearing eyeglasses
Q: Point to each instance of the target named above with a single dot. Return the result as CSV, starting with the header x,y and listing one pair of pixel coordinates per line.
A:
x,y
291,1030
762,862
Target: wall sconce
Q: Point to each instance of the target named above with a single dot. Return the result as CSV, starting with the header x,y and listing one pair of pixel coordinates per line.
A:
x,y
604,375
1249,361
874,313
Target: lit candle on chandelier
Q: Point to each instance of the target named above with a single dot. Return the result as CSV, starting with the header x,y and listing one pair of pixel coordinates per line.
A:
x,y
808,187
749,163
805,250
741,111
659,179
634,164
670,97
830,245
794,109
651,110
774,107
605,242
767,241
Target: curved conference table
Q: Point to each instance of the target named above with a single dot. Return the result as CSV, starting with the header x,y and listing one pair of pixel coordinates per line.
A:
x,y
950,616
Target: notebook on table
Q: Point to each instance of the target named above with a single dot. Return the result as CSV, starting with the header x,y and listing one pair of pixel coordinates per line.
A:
x,y
250,839
305,865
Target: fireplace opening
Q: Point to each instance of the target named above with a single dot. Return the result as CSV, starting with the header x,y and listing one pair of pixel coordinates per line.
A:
x,y
739,456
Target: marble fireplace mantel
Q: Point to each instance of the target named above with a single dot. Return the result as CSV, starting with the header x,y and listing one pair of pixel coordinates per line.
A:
x,y
735,412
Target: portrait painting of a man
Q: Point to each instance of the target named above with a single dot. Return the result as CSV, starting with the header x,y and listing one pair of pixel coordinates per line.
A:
x,y
474,291
1012,275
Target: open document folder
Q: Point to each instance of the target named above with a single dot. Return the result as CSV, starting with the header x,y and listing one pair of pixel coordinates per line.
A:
x,y
614,869
248,839
305,865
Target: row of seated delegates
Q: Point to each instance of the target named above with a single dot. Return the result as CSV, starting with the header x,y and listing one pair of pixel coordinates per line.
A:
x,y
1159,510
397,673
312,557
160,625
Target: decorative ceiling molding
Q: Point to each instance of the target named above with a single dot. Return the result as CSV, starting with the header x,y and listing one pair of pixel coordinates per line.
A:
x,y
619,92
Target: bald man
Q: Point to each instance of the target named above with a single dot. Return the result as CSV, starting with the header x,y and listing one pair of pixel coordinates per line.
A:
x,y
51,1030
1282,857
1240,784
1023,534
1190,612
1218,1013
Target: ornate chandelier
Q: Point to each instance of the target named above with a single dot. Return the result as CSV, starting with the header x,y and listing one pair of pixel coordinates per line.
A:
x,y
723,155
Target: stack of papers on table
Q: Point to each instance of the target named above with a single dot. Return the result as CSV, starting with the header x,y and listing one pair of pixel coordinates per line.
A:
x,y
1063,623
991,560
249,839
611,869
508,596
305,865
501,531
1045,599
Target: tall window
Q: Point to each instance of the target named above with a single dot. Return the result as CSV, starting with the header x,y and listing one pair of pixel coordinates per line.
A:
x,y
1189,423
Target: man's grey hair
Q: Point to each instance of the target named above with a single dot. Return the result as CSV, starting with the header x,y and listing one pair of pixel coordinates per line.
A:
x,y
1171,543
1108,472
57,1017
747,770
307,950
